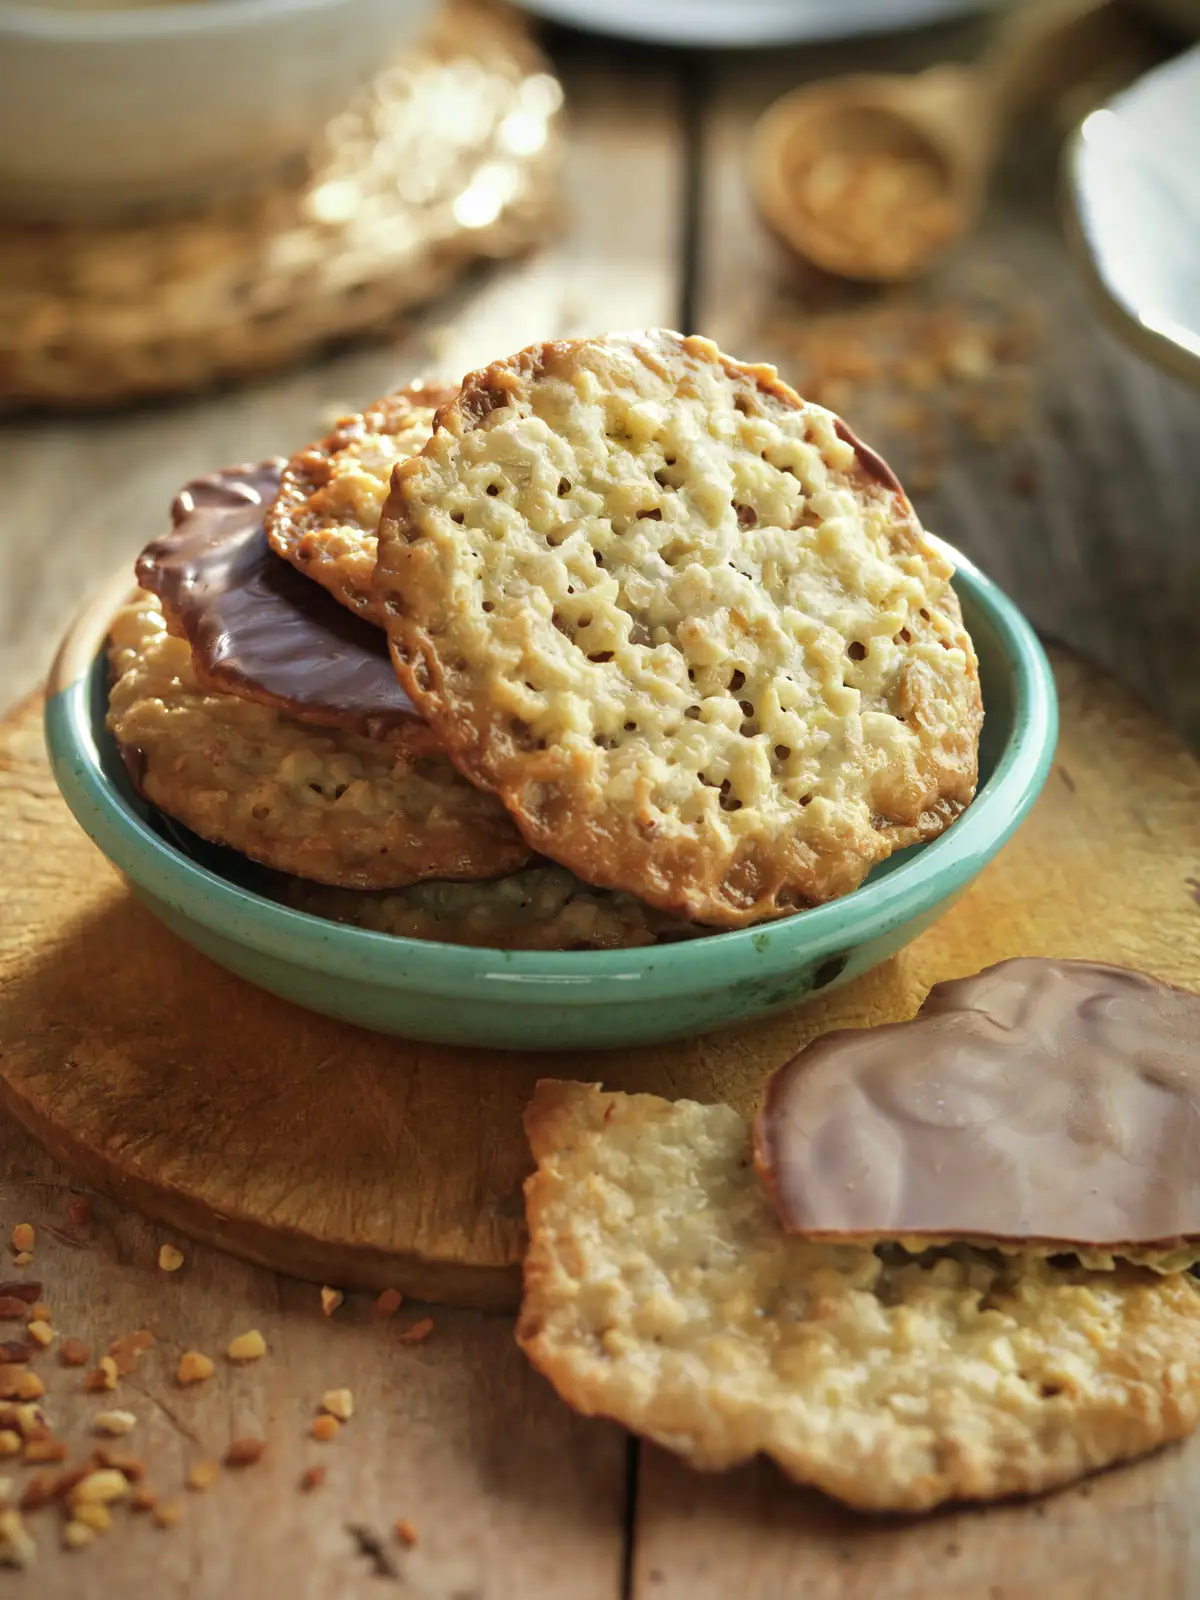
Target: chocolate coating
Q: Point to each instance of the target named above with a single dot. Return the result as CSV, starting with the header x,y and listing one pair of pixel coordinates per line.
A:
x,y
256,626
1052,1102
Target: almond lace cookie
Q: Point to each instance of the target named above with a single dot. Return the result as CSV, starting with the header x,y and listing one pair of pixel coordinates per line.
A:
x,y
326,516
542,908
660,1290
682,623
325,803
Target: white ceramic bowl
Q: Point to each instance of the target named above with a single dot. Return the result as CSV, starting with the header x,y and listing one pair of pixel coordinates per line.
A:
x,y
103,110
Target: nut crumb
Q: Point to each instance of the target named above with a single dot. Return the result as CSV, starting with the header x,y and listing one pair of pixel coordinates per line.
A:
x,y
127,1351
247,1346
41,1332
113,1422
94,1516
128,1466
168,1515
388,1303
39,1450
22,1238
325,1427
170,1259
76,1534
23,1258
104,1376
29,1386
312,1478
74,1353
99,1487
17,1548
39,1311
244,1452
40,1488
79,1212
31,1421
10,1442
202,1475
338,1403
331,1299
418,1332
193,1367
142,1499
406,1532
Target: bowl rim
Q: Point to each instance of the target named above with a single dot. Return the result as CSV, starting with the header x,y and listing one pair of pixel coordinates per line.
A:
x,y
153,22
661,971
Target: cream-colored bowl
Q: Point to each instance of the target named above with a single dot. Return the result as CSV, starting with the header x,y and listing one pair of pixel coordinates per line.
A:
x,y
104,110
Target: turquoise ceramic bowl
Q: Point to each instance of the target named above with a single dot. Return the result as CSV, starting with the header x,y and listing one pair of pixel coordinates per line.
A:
x,y
588,999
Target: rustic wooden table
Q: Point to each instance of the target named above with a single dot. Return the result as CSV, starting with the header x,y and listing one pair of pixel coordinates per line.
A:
x,y
1065,467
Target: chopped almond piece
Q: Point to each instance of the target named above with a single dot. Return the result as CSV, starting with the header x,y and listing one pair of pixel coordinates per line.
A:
x,y
247,1346
193,1367
405,1532
79,1212
339,1403
31,1421
114,1422
29,1385
312,1478
46,1450
104,1376
11,1308
99,1487
331,1299
142,1499
10,1442
22,1238
169,1258
418,1332
129,1466
41,1332
17,1549
74,1353
202,1475
325,1427
168,1515
388,1303
76,1534
244,1452
94,1516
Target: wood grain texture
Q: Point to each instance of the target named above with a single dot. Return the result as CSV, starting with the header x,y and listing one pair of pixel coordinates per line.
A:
x,y
511,1494
346,1157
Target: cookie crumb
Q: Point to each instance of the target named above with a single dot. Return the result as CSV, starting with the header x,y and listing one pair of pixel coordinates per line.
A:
x,y
38,1451
170,1259
113,1422
331,1299
142,1499
418,1332
76,1534
10,1442
202,1475
41,1332
325,1427
388,1303
312,1478
247,1346
244,1452
338,1403
31,1421
193,1367
17,1548
74,1353
405,1532
94,1516
168,1515
99,1487
29,1386
22,1238
128,1466
104,1376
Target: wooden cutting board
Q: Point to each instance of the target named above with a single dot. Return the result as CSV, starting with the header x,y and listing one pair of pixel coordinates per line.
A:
x,y
368,1162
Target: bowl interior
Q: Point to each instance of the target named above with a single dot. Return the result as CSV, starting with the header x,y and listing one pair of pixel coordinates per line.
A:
x,y
1003,694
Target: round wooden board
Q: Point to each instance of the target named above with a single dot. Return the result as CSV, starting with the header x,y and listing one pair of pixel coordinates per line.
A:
x,y
368,1162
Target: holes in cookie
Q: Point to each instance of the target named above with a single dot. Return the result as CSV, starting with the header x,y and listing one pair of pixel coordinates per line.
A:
x,y
743,405
805,800
747,517
692,713
493,488
562,626
903,637
650,516
1049,1390
522,735
782,752
856,651
631,727
926,615
488,605
458,516
260,813
564,487
599,558
600,656
738,679
729,801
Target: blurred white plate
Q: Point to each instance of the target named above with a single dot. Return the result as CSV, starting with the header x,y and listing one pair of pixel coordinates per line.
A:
x,y
1133,176
745,23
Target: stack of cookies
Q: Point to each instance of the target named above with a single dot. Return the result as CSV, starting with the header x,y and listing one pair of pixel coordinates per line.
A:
x,y
618,641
